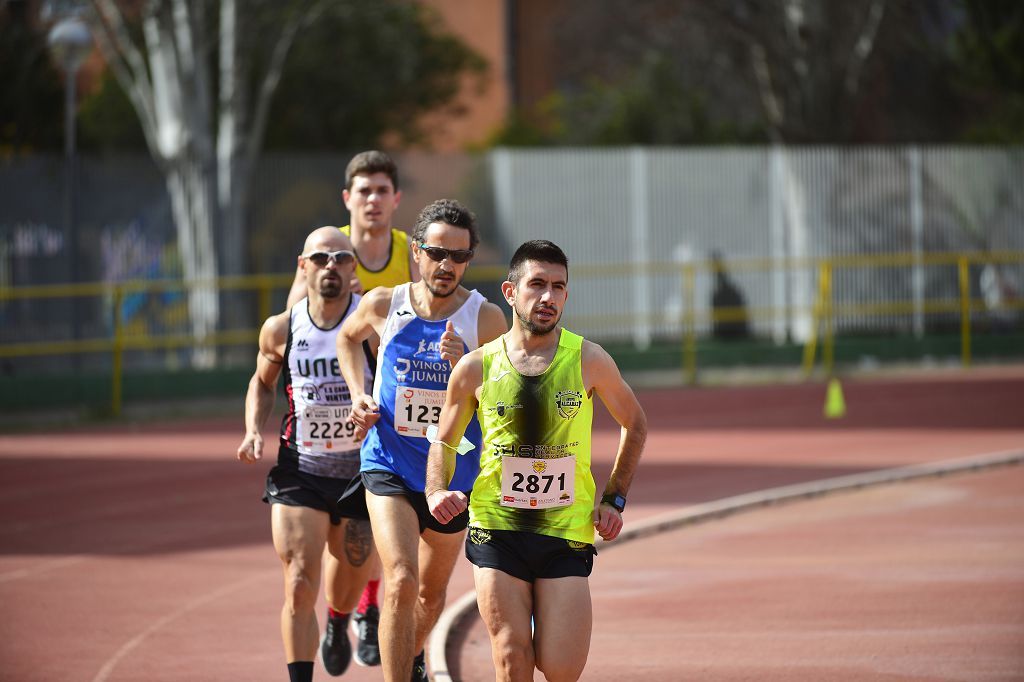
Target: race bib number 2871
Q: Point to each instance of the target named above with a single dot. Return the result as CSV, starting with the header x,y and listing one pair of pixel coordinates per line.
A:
x,y
528,483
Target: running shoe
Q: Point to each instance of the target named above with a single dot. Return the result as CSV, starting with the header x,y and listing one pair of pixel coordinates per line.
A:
x,y
364,626
335,649
419,669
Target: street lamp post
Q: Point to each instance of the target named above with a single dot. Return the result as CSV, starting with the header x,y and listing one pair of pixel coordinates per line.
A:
x,y
70,43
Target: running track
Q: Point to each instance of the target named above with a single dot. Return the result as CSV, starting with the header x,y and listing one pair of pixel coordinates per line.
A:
x,y
143,553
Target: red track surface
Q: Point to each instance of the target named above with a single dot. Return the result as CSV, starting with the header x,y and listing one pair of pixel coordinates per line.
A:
x,y
144,553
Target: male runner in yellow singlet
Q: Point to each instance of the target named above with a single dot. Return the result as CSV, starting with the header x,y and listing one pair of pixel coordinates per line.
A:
x,y
372,194
532,511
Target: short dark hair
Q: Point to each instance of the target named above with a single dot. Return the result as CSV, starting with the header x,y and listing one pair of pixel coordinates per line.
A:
x,y
446,211
368,163
540,250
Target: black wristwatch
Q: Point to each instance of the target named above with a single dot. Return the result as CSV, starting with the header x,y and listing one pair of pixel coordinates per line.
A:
x,y
615,500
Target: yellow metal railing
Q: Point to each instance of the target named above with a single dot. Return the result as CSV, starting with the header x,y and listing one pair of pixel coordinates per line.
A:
x,y
121,341
823,311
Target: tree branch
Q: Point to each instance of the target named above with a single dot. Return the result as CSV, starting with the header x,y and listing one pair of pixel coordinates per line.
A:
x,y
268,84
863,47
769,100
168,96
129,68
194,72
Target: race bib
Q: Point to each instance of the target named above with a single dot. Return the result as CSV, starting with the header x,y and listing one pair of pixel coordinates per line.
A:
x,y
416,409
327,429
528,483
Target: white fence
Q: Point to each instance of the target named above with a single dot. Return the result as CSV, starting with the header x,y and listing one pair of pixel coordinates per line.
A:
x,y
669,207
632,216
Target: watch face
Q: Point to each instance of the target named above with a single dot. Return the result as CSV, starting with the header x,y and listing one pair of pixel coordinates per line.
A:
x,y
617,501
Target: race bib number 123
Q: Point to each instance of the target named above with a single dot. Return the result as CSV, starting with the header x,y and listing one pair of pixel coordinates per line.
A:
x,y
416,409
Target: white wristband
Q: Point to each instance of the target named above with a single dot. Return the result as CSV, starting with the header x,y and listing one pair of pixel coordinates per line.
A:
x,y
462,448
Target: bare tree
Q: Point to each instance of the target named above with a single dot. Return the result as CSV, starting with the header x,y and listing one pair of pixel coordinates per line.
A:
x,y
807,58
203,129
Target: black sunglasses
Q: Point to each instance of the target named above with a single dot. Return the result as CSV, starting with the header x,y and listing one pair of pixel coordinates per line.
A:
x,y
321,258
438,254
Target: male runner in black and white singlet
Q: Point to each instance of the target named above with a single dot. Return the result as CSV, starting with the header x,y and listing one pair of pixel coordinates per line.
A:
x,y
319,451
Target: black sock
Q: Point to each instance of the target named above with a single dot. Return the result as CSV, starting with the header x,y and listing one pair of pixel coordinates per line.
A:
x,y
420,660
300,671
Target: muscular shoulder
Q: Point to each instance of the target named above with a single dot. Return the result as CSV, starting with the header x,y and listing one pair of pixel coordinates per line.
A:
x,y
597,363
594,352
492,322
469,370
274,333
377,302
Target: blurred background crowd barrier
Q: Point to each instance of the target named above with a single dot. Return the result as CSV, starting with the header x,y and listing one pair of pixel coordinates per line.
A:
x,y
681,261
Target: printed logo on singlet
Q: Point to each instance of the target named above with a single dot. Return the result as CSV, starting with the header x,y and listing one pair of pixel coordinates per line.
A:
x,y
310,393
331,393
538,451
302,345
402,313
501,407
416,371
424,347
320,367
568,403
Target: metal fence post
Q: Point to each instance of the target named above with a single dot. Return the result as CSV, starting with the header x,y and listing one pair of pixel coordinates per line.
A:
x,y
690,323
811,345
828,345
264,302
118,350
963,266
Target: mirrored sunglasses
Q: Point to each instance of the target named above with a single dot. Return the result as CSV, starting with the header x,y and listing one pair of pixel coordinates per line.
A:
x,y
321,258
438,254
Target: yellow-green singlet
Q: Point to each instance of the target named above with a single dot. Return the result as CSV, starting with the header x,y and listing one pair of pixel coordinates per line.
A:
x,y
535,459
394,272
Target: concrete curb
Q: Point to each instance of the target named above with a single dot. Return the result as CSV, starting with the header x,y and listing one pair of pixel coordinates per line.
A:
x,y
717,509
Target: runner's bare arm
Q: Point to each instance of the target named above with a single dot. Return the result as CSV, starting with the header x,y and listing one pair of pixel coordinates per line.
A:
x,y
259,399
460,402
367,322
601,375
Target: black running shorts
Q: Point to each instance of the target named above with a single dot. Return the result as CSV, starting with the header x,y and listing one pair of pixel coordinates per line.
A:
x,y
385,483
286,485
529,556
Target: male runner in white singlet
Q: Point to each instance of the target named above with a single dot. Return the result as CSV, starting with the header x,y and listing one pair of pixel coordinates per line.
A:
x,y
424,328
319,452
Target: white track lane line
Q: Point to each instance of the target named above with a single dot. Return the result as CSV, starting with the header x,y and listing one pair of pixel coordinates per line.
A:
x,y
131,644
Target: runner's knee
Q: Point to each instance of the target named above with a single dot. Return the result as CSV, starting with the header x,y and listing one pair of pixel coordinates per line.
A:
x,y
300,588
560,668
512,653
432,600
402,584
